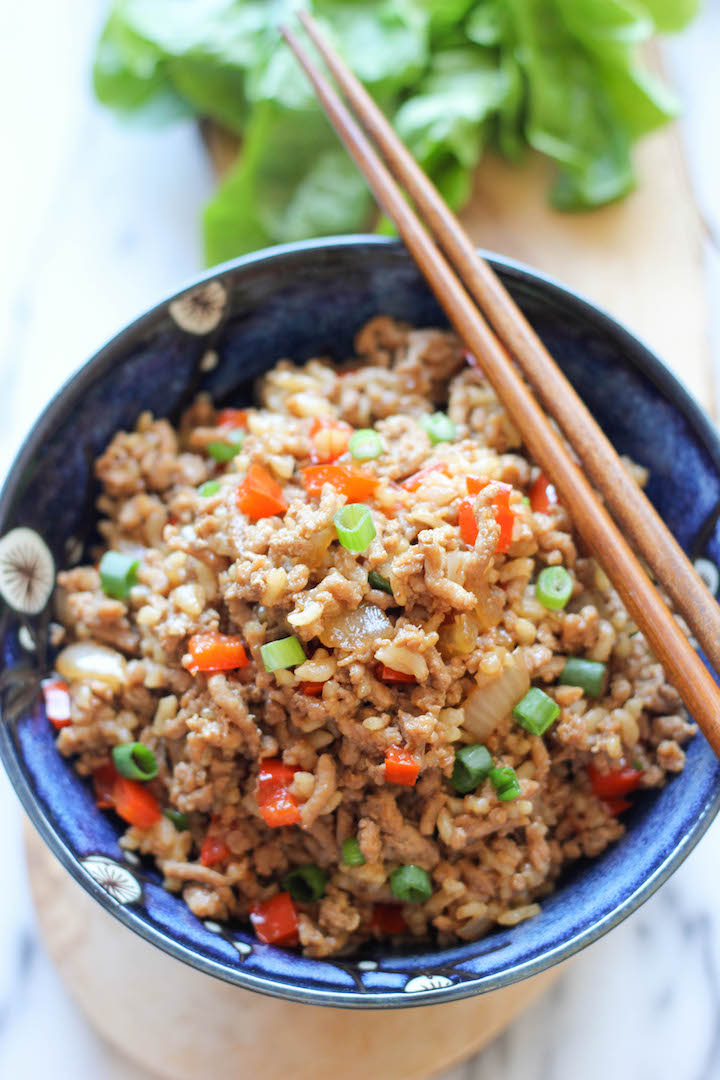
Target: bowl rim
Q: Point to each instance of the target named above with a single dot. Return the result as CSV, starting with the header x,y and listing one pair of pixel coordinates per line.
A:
x,y
643,358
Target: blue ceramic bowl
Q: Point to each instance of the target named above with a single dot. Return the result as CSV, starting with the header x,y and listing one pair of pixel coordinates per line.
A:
x,y
299,301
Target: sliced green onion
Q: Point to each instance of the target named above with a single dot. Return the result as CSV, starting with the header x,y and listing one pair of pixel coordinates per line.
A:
x,y
285,653
365,445
118,573
351,853
210,487
536,711
221,452
472,766
554,587
589,675
226,449
135,761
438,428
179,820
354,525
411,884
505,782
377,581
305,883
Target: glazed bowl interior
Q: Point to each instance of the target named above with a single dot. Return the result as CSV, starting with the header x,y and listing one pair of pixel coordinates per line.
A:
x,y
300,301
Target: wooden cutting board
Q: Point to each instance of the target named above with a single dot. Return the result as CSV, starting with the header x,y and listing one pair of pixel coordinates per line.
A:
x,y
642,260
181,1025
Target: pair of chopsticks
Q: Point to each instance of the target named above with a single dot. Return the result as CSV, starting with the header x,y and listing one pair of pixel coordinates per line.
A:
x,y
496,333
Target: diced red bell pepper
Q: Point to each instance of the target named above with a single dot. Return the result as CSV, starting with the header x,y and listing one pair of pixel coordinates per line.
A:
x,y
57,702
412,483
210,652
612,784
280,809
505,519
475,484
277,805
103,782
135,803
214,850
330,438
388,674
348,480
274,774
311,689
129,799
400,766
501,511
275,921
388,919
617,805
260,496
231,418
542,494
466,521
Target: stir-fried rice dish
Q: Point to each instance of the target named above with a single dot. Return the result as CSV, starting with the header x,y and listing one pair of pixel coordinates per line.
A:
x,y
342,667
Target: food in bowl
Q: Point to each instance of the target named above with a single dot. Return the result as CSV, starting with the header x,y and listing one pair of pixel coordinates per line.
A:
x,y
343,667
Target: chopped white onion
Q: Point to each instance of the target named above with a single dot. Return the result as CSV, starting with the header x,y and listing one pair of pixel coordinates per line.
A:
x,y
488,705
401,658
356,629
131,547
87,660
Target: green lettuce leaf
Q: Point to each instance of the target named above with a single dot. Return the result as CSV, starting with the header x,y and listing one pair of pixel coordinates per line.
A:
x,y
488,24
385,44
445,15
224,31
607,27
670,15
509,125
211,90
611,30
128,75
570,115
641,100
291,182
561,76
443,124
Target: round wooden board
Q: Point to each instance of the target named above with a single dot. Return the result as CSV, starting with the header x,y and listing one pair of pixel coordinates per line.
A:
x,y
181,1025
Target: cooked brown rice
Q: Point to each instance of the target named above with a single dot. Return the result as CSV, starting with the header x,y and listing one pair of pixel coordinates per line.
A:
x,y
462,621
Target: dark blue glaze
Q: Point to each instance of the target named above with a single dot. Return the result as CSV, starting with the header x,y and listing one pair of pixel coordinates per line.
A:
x,y
299,301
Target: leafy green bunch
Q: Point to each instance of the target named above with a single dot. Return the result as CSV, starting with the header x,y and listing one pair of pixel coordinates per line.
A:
x,y
455,76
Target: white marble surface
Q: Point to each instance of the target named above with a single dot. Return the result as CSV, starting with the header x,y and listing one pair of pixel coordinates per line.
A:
x,y
97,221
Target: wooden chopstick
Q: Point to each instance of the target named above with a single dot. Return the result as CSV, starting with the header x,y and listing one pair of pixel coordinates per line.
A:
x,y
693,681
637,517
